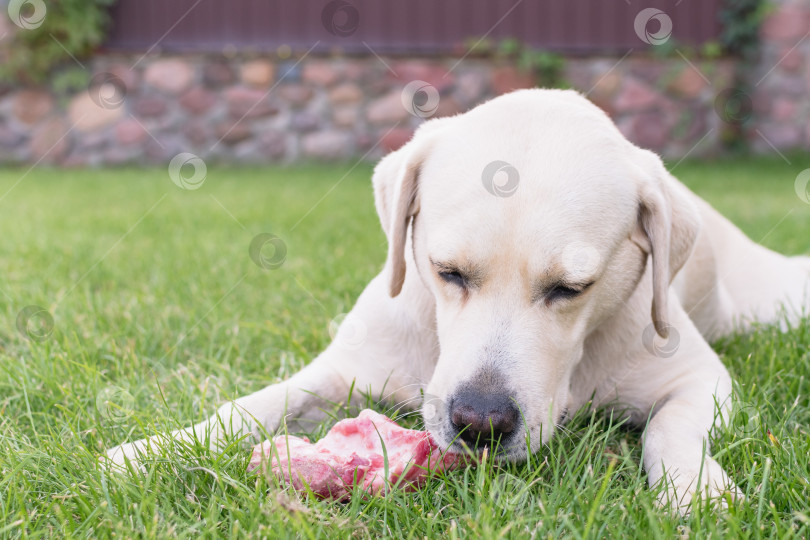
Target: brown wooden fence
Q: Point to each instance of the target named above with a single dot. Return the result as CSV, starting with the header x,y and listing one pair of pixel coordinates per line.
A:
x,y
400,26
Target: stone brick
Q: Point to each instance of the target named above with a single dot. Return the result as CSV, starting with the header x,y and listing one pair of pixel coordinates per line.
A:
x,y
788,85
320,72
635,96
364,144
272,144
355,69
471,88
75,160
792,58
218,74
649,130
346,93
781,135
379,85
50,141
432,73
258,73
31,106
581,74
246,152
171,75
604,86
689,83
604,103
170,145
290,72
295,94
602,91
129,77
649,70
197,131
249,102
86,116
9,137
447,107
328,145
198,100
724,73
508,78
762,103
789,22
304,121
129,131
93,140
695,125
149,106
232,132
395,139
120,155
346,115
387,109
784,110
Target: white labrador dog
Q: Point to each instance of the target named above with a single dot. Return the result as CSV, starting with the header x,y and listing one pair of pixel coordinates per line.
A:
x,y
537,260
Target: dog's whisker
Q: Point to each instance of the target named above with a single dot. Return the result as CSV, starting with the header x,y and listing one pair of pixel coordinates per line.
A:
x,y
407,404
416,385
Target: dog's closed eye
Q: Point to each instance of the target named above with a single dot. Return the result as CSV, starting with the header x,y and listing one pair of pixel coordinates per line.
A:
x,y
454,277
562,291
453,274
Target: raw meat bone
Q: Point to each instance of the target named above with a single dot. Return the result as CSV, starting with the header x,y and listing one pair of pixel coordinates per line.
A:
x,y
352,453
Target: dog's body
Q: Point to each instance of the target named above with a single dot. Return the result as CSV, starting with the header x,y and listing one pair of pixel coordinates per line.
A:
x,y
501,307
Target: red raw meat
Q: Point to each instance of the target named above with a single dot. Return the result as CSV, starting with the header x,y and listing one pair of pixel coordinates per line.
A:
x,y
352,452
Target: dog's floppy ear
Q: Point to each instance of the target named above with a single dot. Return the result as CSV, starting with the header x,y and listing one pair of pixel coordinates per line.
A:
x,y
668,225
396,197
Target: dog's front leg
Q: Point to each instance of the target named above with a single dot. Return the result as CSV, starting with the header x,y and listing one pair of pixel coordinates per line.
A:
x,y
676,439
385,345
303,393
676,453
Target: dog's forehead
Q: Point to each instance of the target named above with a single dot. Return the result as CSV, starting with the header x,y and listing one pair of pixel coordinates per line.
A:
x,y
488,186
521,144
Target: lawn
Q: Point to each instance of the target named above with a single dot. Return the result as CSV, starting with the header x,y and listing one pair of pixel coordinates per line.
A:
x,y
159,314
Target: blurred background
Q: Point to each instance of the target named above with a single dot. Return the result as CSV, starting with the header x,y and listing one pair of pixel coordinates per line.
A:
x,y
109,82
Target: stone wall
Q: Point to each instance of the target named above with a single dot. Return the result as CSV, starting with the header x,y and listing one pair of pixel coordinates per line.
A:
x,y
780,82
261,109
265,110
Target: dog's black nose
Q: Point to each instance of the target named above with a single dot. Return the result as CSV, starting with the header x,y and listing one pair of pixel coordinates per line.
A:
x,y
483,419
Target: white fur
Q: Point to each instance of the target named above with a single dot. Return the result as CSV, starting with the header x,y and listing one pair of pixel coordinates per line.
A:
x,y
585,194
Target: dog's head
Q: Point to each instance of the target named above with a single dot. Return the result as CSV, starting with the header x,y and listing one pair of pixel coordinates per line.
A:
x,y
532,220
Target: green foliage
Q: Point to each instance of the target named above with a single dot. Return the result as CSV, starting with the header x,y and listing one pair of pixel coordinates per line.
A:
x,y
509,47
70,28
739,36
69,79
670,49
479,46
711,50
741,20
547,67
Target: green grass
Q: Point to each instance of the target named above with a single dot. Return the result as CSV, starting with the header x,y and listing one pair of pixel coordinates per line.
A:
x,y
158,309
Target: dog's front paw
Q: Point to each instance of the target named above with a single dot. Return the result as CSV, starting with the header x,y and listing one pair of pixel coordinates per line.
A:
x,y
685,486
121,458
